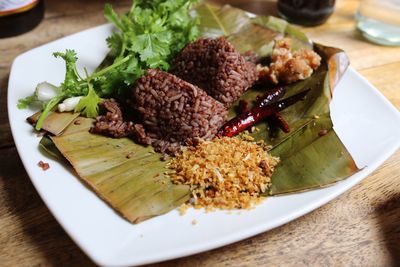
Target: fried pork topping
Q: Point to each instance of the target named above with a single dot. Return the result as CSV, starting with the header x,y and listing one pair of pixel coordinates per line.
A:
x,y
287,66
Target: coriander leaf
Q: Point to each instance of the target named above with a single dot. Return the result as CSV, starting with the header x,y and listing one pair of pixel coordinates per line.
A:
x,y
132,71
25,102
153,31
116,43
71,84
109,82
152,46
148,36
112,16
88,105
193,30
180,15
157,63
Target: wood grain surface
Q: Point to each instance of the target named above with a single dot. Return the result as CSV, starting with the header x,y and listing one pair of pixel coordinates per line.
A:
x,y
359,228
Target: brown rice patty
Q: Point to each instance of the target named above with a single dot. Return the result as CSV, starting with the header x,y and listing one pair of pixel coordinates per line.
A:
x,y
215,66
175,111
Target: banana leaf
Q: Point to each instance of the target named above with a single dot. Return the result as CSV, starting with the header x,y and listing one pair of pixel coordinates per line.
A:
x,y
246,31
136,186
216,21
50,148
128,176
55,122
308,159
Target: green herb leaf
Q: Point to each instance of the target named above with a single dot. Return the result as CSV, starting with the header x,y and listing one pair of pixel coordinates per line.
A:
x,y
88,105
152,33
70,86
112,16
148,36
25,102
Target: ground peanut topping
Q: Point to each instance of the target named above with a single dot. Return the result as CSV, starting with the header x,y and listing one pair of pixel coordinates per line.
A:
x,y
225,173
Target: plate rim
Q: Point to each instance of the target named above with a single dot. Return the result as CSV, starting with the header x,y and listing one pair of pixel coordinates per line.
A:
x,y
203,246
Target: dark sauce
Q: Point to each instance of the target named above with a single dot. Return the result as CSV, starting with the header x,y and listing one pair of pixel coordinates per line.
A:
x,y
19,23
306,12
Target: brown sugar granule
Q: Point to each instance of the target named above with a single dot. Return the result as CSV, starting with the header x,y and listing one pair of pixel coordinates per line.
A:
x,y
287,66
45,166
225,173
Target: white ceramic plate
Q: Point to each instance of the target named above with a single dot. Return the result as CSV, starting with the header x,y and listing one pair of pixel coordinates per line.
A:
x,y
365,121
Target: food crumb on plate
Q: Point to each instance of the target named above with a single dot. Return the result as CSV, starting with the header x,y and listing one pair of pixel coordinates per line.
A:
x,y
45,166
183,208
194,222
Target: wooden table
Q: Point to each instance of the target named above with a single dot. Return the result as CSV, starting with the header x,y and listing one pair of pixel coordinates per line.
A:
x,y
361,227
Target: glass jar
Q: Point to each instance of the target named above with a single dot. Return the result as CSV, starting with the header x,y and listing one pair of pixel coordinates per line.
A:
x,y
19,16
379,21
306,12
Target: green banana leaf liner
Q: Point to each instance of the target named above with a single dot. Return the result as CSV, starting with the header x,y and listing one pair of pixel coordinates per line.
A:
x,y
311,154
130,177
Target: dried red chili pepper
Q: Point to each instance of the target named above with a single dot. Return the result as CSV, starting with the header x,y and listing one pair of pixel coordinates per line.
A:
x,y
277,120
271,96
243,106
248,119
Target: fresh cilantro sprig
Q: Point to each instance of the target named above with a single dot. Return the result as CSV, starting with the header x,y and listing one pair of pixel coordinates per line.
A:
x,y
147,36
73,85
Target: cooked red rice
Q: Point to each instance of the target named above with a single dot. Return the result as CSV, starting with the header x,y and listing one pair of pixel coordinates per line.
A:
x,y
112,123
174,111
215,66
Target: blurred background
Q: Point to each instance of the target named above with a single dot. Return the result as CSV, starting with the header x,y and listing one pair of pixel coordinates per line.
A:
x,y
361,227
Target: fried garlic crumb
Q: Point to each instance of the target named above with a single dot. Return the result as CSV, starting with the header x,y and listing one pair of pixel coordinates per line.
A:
x,y
183,209
225,173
